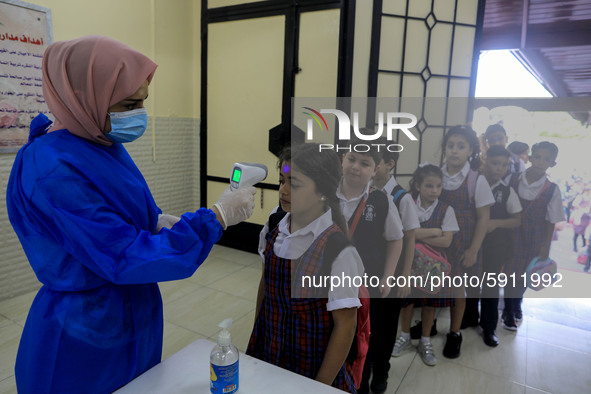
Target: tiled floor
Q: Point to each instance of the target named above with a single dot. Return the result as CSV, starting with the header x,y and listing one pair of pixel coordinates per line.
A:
x,y
544,356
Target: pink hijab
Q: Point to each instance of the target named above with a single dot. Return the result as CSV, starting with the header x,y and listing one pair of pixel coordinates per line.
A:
x,y
82,78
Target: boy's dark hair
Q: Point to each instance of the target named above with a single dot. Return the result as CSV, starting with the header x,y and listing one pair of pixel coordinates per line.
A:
x,y
471,138
419,176
518,147
550,147
386,154
374,151
497,150
494,128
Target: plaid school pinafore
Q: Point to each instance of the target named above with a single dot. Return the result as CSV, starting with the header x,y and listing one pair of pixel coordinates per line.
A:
x,y
293,333
444,297
528,238
465,211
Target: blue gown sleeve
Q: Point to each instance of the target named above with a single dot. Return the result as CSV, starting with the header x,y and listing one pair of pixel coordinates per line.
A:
x,y
110,242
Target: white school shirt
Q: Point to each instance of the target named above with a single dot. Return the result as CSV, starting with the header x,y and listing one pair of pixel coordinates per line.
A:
x,y
513,203
483,195
450,222
554,211
516,159
408,209
512,160
294,245
392,225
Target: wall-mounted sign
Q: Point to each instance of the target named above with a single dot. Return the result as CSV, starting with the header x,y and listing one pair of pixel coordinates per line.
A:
x,y
25,32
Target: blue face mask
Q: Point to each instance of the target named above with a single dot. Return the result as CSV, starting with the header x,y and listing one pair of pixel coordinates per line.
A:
x,y
128,126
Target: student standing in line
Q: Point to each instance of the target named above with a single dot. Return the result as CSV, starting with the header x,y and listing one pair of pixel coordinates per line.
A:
x,y
580,214
376,231
542,209
307,332
497,246
438,225
470,196
496,135
384,180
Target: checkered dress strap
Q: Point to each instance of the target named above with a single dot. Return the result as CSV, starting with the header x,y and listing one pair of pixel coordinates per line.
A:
x,y
311,264
436,220
465,211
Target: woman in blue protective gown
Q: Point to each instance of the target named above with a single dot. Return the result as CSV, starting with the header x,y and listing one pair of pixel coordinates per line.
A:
x,y
91,230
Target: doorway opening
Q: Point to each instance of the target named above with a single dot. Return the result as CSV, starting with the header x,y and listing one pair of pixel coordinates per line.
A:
x,y
502,75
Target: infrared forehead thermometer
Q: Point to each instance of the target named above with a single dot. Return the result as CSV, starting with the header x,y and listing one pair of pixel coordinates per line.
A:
x,y
247,174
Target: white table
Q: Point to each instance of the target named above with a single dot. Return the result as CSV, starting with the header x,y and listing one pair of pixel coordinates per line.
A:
x,y
187,371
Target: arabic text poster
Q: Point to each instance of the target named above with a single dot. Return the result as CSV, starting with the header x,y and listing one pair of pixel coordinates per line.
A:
x,y
24,35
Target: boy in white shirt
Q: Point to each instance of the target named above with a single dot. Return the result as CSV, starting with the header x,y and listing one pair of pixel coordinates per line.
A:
x,y
384,180
376,231
542,209
497,244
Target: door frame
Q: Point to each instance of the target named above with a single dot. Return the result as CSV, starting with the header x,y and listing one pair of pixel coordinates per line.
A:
x,y
241,236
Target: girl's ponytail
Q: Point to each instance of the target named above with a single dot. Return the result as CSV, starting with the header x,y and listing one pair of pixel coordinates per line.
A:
x,y
337,215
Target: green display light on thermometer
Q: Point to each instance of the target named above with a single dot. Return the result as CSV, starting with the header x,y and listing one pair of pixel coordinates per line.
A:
x,y
247,174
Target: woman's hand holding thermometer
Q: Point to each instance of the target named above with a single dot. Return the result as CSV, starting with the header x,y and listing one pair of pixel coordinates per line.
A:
x,y
236,203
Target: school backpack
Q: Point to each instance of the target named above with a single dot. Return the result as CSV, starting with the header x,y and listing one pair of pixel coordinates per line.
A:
x,y
541,273
472,178
358,352
397,194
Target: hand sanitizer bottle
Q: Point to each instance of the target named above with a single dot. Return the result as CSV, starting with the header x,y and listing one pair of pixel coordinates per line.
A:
x,y
224,363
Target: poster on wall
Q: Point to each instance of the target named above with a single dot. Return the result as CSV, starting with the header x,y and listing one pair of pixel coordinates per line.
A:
x,y
25,32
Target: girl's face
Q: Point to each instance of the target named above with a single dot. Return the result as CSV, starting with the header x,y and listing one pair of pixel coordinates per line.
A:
x,y
297,192
358,169
430,189
457,150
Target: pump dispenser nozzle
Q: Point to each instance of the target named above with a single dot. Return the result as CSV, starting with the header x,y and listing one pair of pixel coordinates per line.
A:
x,y
224,337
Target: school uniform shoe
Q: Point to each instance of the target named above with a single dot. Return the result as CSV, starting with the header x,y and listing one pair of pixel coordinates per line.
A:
x,y
452,345
518,317
490,338
400,346
416,331
509,322
379,384
425,349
